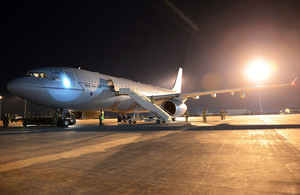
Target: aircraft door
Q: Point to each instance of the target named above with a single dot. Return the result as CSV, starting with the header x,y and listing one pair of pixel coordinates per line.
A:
x,y
114,84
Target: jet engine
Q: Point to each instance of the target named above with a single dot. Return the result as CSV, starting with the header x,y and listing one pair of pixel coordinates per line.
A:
x,y
175,107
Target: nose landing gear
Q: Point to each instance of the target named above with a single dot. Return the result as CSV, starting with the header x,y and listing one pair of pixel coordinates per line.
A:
x,y
65,118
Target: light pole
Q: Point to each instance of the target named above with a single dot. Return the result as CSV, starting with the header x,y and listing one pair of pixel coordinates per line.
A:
x,y
1,107
25,108
260,106
259,70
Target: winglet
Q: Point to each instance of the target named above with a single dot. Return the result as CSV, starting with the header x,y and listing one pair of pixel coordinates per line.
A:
x,y
178,81
293,83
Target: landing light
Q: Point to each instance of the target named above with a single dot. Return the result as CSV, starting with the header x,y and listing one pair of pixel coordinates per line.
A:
x,y
66,82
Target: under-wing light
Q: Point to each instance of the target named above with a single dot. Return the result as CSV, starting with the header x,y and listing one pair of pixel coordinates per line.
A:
x,y
232,93
196,97
214,95
242,95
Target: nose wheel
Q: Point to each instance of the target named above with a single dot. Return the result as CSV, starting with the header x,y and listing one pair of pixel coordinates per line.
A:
x,y
65,122
65,118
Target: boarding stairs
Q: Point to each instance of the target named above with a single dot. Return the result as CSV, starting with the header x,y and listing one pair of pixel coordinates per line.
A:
x,y
146,103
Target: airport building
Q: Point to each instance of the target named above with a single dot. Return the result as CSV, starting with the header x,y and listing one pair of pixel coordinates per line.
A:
x,y
292,110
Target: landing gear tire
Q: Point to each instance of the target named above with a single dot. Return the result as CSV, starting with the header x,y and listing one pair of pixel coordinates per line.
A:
x,y
131,121
25,123
157,121
65,123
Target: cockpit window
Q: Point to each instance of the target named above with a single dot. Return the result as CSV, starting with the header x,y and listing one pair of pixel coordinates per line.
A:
x,y
36,75
43,75
29,74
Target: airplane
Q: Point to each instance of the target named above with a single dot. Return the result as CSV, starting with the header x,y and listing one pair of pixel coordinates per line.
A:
x,y
74,89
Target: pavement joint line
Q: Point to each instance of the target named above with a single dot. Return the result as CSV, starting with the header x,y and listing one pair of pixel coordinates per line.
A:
x,y
280,134
287,140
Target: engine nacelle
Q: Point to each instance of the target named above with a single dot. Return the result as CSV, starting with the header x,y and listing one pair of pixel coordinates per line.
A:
x,y
242,95
175,107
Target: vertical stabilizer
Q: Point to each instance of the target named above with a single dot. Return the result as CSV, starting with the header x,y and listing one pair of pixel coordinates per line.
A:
x,y
178,81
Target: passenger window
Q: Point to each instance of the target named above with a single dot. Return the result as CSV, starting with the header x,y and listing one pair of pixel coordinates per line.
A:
x,y
55,79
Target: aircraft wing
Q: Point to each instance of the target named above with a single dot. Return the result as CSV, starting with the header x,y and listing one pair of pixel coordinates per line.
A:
x,y
213,93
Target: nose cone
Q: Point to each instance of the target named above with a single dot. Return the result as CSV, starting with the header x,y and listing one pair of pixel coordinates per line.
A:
x,y
16,87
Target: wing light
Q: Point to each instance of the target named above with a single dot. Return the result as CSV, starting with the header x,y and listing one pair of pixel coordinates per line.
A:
x,y
294,81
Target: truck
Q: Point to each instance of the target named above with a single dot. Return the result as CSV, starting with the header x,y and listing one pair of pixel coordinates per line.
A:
x,y
61,122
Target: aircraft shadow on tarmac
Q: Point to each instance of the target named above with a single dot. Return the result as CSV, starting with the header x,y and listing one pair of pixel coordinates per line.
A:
x,y
245,127
145,127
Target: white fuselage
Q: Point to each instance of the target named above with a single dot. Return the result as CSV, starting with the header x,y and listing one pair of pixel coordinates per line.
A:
x,y
76,89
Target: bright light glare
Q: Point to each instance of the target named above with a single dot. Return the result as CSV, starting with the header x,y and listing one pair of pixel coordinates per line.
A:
x,y
258,70
66,82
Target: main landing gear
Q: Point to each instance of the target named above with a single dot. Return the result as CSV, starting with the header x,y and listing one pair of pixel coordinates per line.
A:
x,y
63,118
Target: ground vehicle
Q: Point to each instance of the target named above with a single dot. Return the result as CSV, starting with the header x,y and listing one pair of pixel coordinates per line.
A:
x,y
16,118
49,121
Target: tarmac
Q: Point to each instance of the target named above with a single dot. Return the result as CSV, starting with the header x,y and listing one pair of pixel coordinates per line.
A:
x,y
257,154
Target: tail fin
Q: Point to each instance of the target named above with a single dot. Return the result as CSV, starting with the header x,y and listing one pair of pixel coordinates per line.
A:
x,y
178,81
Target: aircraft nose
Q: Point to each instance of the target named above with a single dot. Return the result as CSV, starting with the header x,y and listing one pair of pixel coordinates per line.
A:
x,y
15,86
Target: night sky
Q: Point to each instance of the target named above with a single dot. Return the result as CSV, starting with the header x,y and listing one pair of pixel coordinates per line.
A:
x,y
147,41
